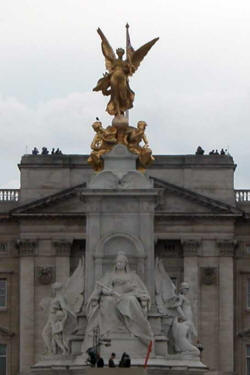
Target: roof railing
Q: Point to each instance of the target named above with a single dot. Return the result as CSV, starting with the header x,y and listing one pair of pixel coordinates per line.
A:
x,y
242,196
9,195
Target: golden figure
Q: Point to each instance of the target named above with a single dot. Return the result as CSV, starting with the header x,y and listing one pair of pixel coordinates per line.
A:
x,y
103,142
115,83
133,140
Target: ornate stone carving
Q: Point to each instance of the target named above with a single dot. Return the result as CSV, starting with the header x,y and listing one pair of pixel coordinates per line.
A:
x,y
63,247
178,308
190,247
62,310
208,275
27,247
45,275
244,333
118,304
6,332
226,247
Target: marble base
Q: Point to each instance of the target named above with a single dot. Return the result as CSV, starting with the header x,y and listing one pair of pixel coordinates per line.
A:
x,y
173,364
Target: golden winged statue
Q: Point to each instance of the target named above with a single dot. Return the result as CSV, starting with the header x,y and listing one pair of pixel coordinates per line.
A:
x,y
115,82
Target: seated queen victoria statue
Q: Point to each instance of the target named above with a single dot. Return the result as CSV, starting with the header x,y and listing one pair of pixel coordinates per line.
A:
x,y
119,303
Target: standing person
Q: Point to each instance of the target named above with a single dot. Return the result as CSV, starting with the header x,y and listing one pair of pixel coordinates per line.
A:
x,y
125,360
100,361
111,360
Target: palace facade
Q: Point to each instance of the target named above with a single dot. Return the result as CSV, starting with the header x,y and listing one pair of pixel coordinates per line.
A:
x,y
201,230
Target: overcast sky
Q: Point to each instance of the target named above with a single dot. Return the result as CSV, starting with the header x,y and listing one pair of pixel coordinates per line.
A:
x,y
193,88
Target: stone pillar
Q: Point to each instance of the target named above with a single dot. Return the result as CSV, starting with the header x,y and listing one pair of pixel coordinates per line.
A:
x,y
226,305
63,248
191,275
27,251
147,206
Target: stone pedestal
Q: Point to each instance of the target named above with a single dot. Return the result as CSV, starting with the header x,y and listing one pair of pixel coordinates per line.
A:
x,y
120,203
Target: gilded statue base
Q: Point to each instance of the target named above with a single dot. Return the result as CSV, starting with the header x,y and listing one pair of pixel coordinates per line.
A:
x,y
120,133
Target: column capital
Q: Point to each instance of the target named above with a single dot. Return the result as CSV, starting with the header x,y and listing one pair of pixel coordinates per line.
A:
x,y
226,247
190,247
63,247
27,247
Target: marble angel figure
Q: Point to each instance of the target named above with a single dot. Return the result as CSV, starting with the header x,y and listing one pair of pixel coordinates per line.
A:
x,y
115,82
119,303
62,309
176,306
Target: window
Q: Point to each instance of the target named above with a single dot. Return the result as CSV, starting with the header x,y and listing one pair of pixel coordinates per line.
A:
x,y
3,293
248,359
248,293
3,359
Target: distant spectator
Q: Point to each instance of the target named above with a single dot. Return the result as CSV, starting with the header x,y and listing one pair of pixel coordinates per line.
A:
x,y
45,151
52,151
100,361
35,151
222,152
111,360
92,356
58,151
199,151
125,360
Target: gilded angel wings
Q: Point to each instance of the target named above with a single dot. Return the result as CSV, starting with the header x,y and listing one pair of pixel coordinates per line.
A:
x,y
134,58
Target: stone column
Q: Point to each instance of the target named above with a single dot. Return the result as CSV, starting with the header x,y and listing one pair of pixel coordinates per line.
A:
x,y
226,305
27,251
63,248
191,275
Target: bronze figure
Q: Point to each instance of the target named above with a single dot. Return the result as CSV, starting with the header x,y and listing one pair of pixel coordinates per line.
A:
x,y
115,83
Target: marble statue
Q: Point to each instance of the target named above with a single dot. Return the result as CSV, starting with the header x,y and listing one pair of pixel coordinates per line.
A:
x,y
62,310
177,307
115,83
119,303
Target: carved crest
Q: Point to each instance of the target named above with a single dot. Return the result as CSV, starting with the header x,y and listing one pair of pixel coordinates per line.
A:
x,y
208,275
45,275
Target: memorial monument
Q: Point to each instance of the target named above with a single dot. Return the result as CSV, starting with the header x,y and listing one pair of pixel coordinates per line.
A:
x,y
122,251
129,299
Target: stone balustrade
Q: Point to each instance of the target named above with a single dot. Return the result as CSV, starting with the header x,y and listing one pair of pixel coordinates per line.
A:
x,y
13,195
242,196
9,195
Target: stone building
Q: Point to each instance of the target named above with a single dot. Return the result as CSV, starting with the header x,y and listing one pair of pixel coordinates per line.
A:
x,y
200,227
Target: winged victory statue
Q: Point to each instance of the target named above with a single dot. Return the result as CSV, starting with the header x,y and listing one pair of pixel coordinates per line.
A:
x,y
115,81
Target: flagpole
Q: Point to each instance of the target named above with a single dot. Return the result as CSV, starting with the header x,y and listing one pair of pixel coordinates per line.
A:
x,y
127,41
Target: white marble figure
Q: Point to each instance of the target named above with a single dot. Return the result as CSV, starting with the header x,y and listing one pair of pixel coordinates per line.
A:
x,y
119,302
177,307
62,310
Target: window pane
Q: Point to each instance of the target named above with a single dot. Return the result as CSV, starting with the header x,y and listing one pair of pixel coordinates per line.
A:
x,y
248,293
248,350
3,366
3,349
2,301
248,366
3,292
